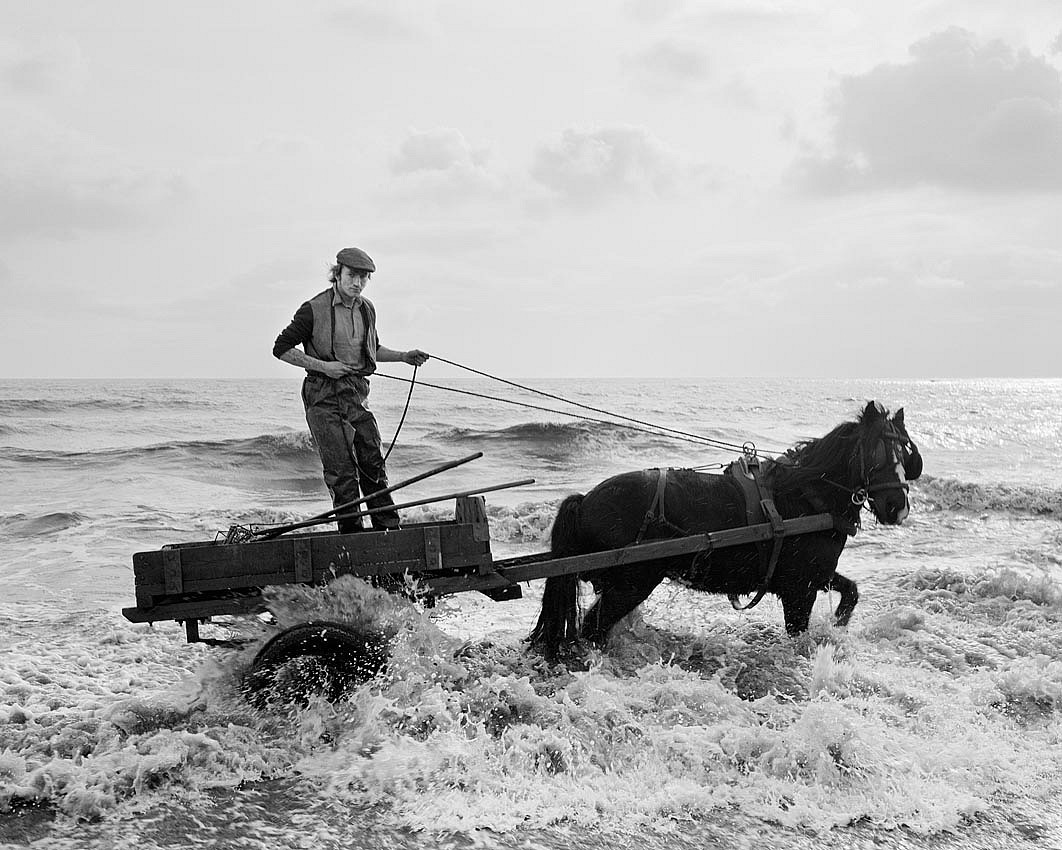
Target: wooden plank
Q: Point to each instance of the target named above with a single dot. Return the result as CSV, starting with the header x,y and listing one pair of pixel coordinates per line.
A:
x,y
634,554
199,609
157,593
432,549
303,561
461,584
472,510
173,580
368,553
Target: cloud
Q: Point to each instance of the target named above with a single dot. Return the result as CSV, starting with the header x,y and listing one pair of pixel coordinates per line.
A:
x,y
57,183
748,14
441,239
284,145
588,168
982,117
373,21
669,63
56,66
1010,267
61,205
440,165
279,277
980,273
653,11
268,291
436,150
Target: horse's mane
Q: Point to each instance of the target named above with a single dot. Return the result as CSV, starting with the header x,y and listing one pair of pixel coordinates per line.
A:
x,y
812,460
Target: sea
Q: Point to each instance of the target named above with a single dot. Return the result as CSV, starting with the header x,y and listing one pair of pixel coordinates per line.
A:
x,y
933,720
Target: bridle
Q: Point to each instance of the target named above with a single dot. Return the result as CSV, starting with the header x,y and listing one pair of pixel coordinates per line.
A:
x,y
893,443
899,451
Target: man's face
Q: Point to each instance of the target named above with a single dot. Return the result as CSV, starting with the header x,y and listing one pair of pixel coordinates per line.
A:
x,y
352,282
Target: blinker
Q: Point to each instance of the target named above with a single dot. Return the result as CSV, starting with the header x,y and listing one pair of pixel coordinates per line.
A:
x,y
912,462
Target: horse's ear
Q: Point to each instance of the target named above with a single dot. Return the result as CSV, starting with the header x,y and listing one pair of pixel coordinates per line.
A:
x,y
898,417
872,412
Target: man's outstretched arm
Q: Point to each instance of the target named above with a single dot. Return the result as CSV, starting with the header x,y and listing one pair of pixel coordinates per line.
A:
x,y
414,357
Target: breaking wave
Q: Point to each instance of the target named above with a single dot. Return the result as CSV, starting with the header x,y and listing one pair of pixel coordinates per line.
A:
x,y
287,445
23,406
528,522
951,495
39,525
572,442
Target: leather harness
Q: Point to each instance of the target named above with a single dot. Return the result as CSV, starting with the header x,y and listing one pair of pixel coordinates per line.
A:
x,y
746,472
759,508
655,514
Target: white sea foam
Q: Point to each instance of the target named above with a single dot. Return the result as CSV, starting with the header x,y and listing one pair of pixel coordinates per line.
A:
x,y
893,723
935,714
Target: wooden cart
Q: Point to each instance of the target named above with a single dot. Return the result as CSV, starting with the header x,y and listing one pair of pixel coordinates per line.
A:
x,y
193,582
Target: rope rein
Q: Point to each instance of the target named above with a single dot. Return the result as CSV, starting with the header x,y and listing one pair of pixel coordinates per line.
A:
x,y
405,410
660,430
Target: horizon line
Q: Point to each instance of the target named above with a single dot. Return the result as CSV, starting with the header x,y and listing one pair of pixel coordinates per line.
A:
x,y
777,377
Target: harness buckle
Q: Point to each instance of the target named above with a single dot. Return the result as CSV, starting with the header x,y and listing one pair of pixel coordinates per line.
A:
x,y
748,452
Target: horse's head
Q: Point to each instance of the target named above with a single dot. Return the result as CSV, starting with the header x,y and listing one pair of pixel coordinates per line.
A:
x,y
885,459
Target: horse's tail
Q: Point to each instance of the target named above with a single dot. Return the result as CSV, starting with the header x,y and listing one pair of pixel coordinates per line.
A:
x,y
558,620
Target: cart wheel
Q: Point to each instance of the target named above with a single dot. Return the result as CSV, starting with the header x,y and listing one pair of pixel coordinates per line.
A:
x,y
320,657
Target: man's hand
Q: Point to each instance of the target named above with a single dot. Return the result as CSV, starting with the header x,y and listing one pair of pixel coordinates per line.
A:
x,y
336,369
415,357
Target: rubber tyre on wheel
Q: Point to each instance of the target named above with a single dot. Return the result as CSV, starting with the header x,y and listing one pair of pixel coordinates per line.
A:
x,y
319,657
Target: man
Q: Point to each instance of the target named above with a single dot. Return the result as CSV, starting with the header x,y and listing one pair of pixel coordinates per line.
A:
x,y
337,330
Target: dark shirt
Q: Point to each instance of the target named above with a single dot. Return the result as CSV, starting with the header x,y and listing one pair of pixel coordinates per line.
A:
x,y
300,330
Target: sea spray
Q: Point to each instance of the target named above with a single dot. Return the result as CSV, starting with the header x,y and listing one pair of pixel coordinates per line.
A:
x,y
87,730
666,726
492,738
938,707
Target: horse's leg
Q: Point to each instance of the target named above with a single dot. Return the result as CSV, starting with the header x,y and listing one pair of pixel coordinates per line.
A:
x,y
796,608
849,597
618,598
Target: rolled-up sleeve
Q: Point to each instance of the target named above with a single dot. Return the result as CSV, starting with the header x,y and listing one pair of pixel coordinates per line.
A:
x,y
298,332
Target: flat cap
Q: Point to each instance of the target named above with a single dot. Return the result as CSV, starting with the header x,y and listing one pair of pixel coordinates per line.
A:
x,y
355,258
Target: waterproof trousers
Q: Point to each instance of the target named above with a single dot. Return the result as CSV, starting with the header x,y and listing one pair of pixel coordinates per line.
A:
x,y
348,441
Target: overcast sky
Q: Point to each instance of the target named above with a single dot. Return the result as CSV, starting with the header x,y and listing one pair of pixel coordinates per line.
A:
x,y
650,187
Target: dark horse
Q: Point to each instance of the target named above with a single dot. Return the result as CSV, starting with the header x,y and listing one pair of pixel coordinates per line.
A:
x,y
869,460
